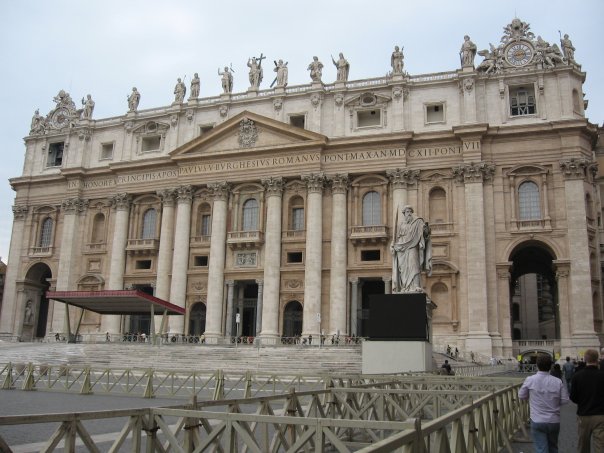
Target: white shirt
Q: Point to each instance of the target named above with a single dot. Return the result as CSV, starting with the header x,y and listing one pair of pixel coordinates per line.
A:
x,y
546,394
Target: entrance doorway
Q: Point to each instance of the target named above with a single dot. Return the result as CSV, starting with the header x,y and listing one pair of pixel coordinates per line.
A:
x,y
292,319
368,288
245,306
534,295
197,319
37,278
141,323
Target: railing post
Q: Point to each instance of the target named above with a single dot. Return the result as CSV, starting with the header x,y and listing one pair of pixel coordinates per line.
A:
x,y
219,389
86,386
7,384
29,383
248,384
149,393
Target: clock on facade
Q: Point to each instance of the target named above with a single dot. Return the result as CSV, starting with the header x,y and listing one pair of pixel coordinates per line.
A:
x,y
519,54
60,118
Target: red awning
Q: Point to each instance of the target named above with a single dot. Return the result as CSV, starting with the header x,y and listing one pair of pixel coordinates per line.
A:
x,y
116,302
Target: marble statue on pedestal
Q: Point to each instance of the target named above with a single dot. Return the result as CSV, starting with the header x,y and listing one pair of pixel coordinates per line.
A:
x,y
88,104
195,84
343,68
396,61
316,69
180,90
467,52
282,72
133,100
227,80
256,72
411,252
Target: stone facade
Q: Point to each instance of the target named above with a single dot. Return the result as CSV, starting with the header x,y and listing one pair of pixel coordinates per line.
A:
x,y
276,207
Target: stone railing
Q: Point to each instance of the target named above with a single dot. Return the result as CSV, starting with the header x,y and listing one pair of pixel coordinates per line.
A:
x,y
245,239
142,246
41,251
369,233
200,240
293,235
95,247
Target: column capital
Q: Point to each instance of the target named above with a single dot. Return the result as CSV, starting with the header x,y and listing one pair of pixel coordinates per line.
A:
x,y
576,168
387,279
220,190
260,282
314,182
229,282
354,280
20,211
479,172
339,182
167,196
184,194
400,178
273,186
74,205
121,201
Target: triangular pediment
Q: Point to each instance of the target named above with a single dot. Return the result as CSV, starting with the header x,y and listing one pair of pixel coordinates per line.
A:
x,y
248,132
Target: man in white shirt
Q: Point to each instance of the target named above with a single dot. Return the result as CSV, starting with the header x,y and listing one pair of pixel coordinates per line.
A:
x,y
546,394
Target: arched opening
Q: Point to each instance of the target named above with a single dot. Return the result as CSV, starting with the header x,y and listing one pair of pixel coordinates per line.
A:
x,y
197,319
438,205
372,209
250,215
534,294
296,204
37,283
98,229
204,220
292,319
149,221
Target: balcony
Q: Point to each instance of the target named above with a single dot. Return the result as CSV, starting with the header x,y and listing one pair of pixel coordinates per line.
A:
x,y
200,241
293,236
142,246
41,251
441,228
245,239
95,247
522,346
370,234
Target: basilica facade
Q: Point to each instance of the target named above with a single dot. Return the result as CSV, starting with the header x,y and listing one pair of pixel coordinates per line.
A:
x,y
270,213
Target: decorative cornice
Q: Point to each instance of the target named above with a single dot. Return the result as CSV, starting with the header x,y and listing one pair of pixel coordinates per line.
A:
x,y
220,190
315,182
74,205
184,194
466,173
20,211
576,168
121,201
402,177
273,186
339,183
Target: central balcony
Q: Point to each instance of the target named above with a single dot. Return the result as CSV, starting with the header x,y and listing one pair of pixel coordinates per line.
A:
x,y
245,239
369,234
142,246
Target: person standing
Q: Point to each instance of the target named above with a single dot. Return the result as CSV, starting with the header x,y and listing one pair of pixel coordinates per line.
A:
x,y
587,391
568,369
545,394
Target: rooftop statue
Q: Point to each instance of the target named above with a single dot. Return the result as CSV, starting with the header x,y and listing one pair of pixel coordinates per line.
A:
x,y
411,252
282,73
467,52
227,80
548,55
396,60
493,60
88,104
343,68
195,84
38,123
256,71
180,90
316,69
567,49
133,100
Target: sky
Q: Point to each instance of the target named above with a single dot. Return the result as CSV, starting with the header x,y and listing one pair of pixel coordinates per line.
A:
x,y
104,48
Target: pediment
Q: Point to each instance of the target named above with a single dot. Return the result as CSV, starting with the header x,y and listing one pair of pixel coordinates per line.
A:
x,y
246,133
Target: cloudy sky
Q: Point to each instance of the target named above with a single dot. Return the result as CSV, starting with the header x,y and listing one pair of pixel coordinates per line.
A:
x,y
106,47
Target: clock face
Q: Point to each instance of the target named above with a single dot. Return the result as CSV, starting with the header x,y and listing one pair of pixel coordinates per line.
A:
x,y
60,118
519,54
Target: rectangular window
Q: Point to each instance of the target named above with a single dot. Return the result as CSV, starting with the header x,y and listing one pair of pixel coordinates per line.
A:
x,y
370,255
55,154
201,261
143,264
522,101
435,113
206,224
294,257
151,143
205,128
298,219
297,121
368,118
107,151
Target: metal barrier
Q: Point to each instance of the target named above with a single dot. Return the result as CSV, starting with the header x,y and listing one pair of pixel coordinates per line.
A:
x,y
408,414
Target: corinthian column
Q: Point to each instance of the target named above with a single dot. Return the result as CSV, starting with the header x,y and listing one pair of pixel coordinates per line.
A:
x,y
220,192
121,205
337,281
71,207
314,262
180,260
400,178
166,238
272,259
10,311
473,175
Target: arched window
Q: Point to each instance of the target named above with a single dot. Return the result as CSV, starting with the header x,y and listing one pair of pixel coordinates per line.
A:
x,y
372,209
250,215
292,319
297,213
46,232
528,201
204,220
438,205
98,228
149,219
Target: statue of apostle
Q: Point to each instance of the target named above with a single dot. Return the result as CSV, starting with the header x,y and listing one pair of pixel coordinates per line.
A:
x,y
411,252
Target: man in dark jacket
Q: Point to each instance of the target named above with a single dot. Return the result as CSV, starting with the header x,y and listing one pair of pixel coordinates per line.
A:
x,y
587,391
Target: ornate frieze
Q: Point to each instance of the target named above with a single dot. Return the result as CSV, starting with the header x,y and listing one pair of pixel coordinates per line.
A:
x,y
246,259
121,201
273,186
294,284
576,168
277,104
74,205
402,177
248,133
466,84
220,190
338,99
20,211
315,182
482,171
315,99
184,194
167,196
339,183
85,134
